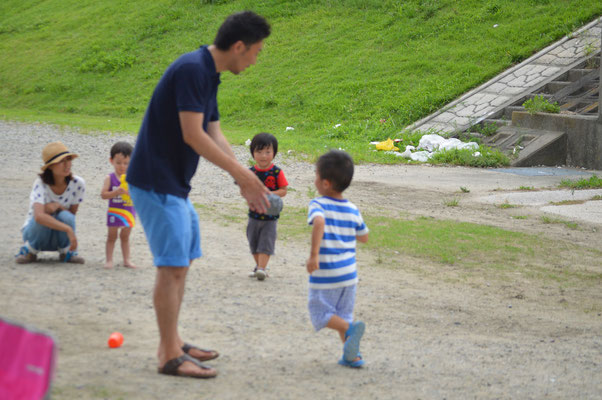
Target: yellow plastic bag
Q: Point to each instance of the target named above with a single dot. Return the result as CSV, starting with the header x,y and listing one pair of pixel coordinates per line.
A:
x,y
387,145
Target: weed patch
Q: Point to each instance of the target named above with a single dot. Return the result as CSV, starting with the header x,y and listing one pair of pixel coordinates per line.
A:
x,y
567,202
541,104
592,183
452,202
549,220
488,158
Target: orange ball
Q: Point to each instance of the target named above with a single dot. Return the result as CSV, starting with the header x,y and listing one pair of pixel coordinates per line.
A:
x,y
115,340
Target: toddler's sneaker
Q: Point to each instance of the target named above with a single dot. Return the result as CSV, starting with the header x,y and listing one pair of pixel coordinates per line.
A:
x,y
261,274
254,273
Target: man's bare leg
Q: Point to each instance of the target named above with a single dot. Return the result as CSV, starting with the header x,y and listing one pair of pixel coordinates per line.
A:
x,y
196,353
168,294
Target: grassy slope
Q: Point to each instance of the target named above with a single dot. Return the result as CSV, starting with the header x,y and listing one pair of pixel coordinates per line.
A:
x,y
95,64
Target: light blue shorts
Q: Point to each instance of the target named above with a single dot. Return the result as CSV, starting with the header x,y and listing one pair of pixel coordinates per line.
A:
x,y
171,225
324,303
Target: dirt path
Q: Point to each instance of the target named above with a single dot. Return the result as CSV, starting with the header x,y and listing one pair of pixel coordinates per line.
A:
x,y
426,337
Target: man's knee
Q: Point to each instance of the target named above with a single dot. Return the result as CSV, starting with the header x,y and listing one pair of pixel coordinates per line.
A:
x,y
174,274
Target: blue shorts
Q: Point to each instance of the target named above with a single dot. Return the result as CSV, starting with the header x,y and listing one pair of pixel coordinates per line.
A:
x,y
171,225
324,303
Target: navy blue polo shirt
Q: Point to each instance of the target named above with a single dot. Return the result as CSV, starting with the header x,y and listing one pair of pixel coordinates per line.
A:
x,y
161,161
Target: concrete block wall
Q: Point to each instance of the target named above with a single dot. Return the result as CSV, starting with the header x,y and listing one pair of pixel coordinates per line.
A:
x,y
584,135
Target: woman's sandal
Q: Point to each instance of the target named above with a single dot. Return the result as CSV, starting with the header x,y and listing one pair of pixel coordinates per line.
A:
x,y
171,368
212,353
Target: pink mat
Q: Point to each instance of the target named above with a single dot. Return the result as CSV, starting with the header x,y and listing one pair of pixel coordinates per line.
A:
x,y
27,360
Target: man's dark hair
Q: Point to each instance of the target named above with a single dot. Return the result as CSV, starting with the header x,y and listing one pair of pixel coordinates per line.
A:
x,y
123,148
263,140
48,178
246,26
336,166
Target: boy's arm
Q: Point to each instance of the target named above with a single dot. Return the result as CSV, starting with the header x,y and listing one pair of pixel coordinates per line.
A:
x,y
282,184
106,194
313,262
281,192
363,238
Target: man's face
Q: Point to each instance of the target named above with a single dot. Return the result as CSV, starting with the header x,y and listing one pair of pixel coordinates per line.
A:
x,y
245,56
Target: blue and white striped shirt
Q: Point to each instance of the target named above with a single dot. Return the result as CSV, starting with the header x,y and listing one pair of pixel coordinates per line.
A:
x,y
343,222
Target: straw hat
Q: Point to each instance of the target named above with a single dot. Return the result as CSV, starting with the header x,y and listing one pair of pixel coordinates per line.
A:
x,y
54,153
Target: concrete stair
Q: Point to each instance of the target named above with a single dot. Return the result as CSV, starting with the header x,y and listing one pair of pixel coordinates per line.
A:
x,y
543,140
530,147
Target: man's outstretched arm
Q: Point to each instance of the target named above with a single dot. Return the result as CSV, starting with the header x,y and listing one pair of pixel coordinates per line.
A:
x,y
220,153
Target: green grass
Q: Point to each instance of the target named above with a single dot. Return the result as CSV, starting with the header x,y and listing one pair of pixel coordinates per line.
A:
x,y
592,183
472,246
549,220
526,188
473,249
466,157
567,202
94,65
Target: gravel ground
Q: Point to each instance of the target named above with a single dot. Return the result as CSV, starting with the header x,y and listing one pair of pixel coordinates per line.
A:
x,y
431,333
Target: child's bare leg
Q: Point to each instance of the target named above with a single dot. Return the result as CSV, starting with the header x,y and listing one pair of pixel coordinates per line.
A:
x,y
262,260
338,324
341,326
110,246
124,236
256,258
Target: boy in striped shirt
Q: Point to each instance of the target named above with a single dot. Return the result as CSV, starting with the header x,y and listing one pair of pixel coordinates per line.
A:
x,y
337,224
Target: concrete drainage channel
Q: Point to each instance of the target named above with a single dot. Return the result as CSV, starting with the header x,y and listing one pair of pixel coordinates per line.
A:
x,y
583,209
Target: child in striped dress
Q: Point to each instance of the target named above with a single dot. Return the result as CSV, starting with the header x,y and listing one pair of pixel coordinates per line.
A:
x,y
337,225
121,213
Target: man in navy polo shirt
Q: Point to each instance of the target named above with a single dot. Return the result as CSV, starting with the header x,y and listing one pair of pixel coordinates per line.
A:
x,y
182,123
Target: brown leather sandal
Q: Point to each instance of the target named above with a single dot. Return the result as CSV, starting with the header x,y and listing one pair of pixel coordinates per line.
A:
x,y
171,368
212,354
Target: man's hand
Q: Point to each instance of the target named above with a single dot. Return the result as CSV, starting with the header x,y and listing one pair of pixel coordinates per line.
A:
x,y
254,191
